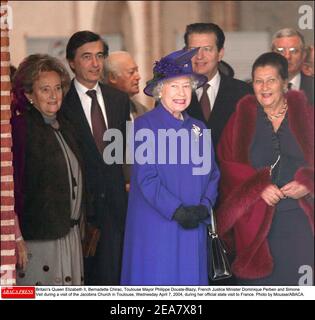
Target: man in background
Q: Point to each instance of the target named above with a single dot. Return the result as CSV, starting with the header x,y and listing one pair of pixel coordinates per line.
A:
x,y
216,100
92,108
122,72
290,43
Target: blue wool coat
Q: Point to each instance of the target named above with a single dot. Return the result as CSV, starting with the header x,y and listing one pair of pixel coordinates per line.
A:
x,y
157,250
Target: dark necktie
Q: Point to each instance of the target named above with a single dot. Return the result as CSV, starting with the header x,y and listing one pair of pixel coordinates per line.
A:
x,y
290,84
98,122
205,103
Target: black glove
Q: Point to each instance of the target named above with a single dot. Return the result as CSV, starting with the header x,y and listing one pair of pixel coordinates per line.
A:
x,y
189,217
201,211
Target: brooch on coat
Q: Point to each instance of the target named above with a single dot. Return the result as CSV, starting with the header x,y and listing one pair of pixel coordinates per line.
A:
x,y
197,131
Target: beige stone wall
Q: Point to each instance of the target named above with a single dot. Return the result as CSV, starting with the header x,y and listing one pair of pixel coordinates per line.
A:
x,y
174,19
46,19
273,15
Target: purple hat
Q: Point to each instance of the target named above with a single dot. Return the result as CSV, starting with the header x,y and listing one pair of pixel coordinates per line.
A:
x,y
176,64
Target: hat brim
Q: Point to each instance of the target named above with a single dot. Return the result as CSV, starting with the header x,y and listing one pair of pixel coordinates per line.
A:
x,y
201,80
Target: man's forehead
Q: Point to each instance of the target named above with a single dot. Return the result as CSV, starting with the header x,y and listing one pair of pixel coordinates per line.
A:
x,y
199,35
91,47
121,59
293,40
130,64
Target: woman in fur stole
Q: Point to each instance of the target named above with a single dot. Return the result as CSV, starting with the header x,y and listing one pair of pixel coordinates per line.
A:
x,y
266,157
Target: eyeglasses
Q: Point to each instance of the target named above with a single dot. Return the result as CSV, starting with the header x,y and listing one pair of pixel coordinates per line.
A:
x,y
205,49
290,50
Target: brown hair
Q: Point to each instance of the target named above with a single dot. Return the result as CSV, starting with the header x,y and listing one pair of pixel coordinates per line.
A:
x,y
31,67
28,72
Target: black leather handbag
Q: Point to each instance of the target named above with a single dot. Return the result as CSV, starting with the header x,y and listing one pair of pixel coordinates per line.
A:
x,y
218,263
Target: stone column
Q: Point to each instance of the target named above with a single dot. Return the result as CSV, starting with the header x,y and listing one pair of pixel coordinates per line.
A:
x,y
156,29
225,14
140,17
231,9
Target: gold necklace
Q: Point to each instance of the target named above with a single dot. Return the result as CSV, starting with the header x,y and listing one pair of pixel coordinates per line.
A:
x,y
281,113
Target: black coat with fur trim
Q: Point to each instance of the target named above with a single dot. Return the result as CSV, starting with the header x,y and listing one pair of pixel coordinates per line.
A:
x,y
45,214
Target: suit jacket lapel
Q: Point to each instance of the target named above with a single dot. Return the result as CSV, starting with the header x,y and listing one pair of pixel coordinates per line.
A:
x,y
219,101
194,109
303,84
108,109
307,85
79,118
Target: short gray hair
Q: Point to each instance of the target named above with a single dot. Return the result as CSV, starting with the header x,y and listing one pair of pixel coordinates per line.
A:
x,y
111,66
288,32
156,92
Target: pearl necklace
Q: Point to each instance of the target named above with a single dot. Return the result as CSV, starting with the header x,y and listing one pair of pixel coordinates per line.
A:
x,y
273,117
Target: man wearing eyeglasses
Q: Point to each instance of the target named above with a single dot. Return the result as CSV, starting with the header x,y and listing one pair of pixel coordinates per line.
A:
x,y
92,108
290,43
216,100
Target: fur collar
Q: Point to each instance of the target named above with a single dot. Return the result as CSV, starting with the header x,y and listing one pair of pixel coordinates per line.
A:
x,y
241,188
301,126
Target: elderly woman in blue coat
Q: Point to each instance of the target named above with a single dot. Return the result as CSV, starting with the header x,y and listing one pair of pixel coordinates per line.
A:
x,y
173,184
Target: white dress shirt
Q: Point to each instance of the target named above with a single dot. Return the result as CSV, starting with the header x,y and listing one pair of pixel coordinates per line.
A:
x,y
296,82
86,101
212,90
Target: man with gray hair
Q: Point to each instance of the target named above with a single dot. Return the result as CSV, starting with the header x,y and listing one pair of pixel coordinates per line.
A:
x,y
122,72
290,43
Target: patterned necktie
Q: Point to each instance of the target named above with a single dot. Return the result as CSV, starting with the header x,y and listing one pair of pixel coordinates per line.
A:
x,y
98,122
205,103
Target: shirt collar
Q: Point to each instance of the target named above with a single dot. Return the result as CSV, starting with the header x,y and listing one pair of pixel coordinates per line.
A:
x,y
215,81
83,89
296,82
214,84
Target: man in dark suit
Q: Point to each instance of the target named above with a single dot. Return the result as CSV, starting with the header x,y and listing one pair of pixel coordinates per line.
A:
x,y
92,108
216,101
122,72
290,43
